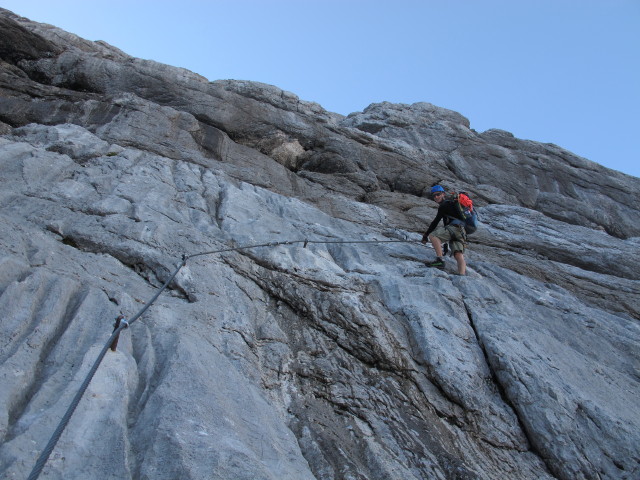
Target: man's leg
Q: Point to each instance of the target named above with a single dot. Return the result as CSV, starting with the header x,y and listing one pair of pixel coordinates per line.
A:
x,y
462,264
437,245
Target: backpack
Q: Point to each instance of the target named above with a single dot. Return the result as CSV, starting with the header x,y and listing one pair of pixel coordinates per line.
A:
x,y
466,211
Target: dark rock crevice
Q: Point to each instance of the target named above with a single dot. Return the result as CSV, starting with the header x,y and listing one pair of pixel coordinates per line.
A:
x,y
502,391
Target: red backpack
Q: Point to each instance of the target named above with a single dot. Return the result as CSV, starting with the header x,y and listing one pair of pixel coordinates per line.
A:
x,y
465,207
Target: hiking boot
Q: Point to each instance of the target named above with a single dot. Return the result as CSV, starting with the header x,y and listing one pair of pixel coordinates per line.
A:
x,y
437,263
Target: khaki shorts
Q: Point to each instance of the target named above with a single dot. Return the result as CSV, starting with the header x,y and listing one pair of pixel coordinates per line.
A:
x,y
455,239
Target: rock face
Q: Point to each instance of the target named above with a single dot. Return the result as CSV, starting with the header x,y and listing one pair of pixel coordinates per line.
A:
x,y
327,360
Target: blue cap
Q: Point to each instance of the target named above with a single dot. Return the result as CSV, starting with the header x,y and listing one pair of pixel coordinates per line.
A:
x,y
436,189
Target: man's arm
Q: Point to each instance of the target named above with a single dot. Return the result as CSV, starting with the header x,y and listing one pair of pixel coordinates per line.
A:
x,y
433,226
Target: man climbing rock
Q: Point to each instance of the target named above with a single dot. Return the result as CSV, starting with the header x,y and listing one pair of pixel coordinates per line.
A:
x,y
451,233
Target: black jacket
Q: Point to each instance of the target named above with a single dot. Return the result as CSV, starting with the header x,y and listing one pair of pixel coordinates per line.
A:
x,y
446,211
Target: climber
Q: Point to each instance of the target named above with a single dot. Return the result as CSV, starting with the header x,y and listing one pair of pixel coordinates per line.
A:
x,y
449,233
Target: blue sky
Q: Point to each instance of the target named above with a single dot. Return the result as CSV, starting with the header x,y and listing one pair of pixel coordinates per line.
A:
x,y
559,71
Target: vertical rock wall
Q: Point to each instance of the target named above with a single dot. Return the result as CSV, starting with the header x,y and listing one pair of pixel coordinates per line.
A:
x,y
343,358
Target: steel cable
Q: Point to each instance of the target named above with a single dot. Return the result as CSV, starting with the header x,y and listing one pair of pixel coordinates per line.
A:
x,y
44,456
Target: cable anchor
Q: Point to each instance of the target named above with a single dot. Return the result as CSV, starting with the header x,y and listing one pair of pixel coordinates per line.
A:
x,y
120,322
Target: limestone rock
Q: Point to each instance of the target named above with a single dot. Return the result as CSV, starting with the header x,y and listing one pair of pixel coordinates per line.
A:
x,y
314,344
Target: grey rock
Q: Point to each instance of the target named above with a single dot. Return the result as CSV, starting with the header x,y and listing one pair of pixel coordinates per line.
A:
x,y
314,344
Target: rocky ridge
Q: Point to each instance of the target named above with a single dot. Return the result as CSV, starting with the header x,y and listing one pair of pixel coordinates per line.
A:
x,y
330,361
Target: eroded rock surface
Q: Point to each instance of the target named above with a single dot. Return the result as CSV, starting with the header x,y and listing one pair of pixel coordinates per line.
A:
x,y
341,358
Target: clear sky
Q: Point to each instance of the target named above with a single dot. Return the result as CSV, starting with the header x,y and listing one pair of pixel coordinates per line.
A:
x,y
559,71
